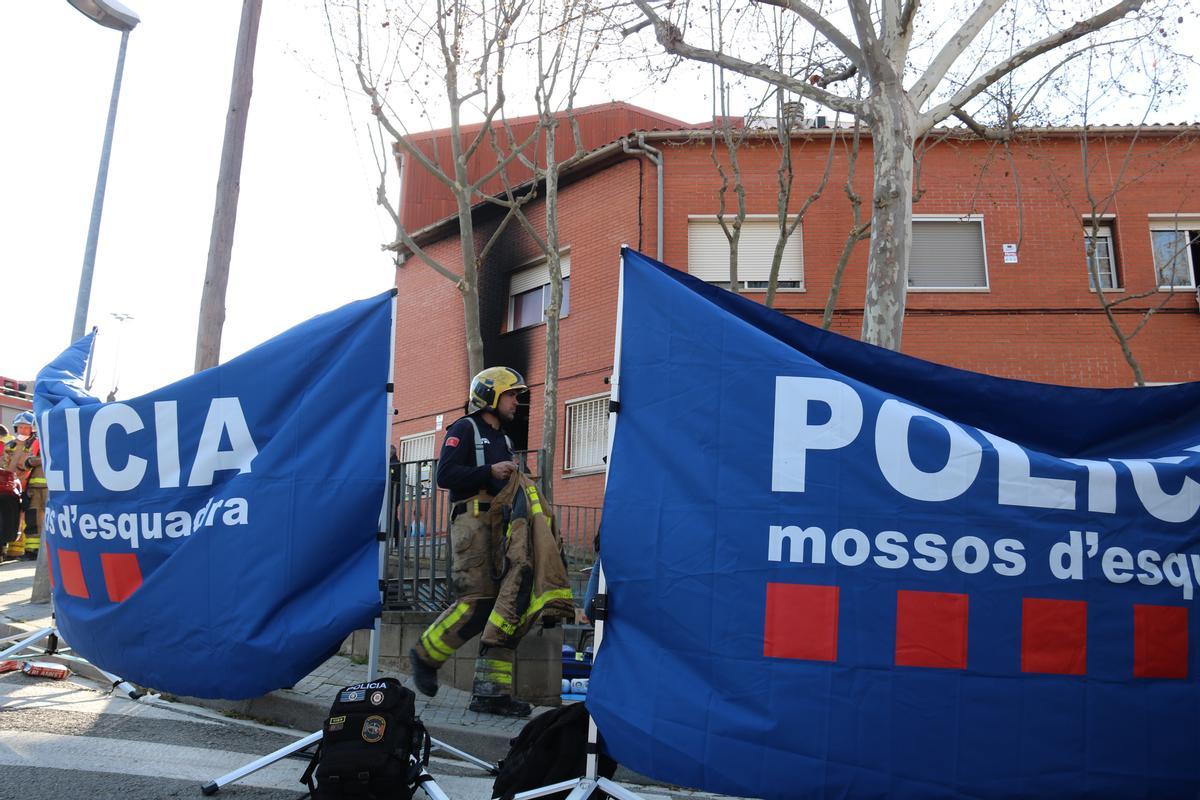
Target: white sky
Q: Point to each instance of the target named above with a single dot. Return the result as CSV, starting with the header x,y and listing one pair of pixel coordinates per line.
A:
x,y
308,231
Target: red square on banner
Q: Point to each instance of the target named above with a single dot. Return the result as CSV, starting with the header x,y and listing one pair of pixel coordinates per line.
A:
x,y
802,622
1160,641
71,572
1054,636
122,575
931,629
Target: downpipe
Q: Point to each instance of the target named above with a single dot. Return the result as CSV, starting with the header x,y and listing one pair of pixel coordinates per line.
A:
x,y
655,157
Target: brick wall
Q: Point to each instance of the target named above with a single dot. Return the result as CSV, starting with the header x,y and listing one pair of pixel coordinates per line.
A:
x,y
1037,321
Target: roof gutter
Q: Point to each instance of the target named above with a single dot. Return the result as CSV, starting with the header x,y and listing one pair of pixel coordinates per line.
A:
x,y
655,157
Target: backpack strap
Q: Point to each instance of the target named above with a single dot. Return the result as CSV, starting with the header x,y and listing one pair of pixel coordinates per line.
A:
x,y
478,442
307,777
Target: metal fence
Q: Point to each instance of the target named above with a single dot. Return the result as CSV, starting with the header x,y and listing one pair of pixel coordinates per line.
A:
x,y
418,541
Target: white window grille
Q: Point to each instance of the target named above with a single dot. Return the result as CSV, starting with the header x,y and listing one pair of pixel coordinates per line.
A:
x,y
586,435
418,447
1104,255
417,478
947,254
529,294
708,254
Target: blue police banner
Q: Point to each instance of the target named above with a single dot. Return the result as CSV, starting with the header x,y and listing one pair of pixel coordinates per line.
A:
x,y
840,571
217,537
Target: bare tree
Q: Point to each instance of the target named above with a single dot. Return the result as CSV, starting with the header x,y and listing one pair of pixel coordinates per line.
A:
x,y
1135,165
859,230
952,76
563,44
732,138
471,43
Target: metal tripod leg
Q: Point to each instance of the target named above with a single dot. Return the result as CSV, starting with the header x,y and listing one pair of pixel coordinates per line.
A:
x,y
131,691
581,789
486,766
36,636
214,786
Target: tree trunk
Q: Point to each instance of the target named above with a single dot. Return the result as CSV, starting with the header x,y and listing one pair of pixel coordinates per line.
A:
x,y
220,245
469,285
892,120
553,314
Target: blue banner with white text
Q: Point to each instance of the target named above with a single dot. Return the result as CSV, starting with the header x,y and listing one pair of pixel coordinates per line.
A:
x,y
217,537
840,571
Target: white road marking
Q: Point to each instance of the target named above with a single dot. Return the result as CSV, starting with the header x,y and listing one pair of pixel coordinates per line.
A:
x,y
18,691
124,757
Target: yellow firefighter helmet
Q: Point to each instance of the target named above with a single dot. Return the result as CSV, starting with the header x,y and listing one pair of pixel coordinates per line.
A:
x,y
487,386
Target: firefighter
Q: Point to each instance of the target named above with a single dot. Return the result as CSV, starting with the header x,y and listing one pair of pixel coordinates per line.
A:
x,y
475,464
10,498
22,456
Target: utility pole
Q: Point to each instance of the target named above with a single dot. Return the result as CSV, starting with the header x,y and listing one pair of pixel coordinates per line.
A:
x,y
220,244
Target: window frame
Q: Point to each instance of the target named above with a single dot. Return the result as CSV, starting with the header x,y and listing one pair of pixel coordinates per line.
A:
x,y
797,234
568,470
1104,230
1182,223
510,327
987,276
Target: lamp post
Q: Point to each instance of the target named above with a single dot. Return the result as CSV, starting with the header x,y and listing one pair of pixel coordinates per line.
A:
x,y
110,14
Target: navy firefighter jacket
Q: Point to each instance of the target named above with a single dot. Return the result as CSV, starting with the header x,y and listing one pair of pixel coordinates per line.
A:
x,y
456,466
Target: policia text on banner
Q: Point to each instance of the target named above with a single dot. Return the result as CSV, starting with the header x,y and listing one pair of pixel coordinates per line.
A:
x,y
798,438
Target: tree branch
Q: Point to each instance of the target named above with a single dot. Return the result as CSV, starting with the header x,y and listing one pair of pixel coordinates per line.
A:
x,y
1001,135
927,84
1076,31
671,38
823,26
873,56
407,241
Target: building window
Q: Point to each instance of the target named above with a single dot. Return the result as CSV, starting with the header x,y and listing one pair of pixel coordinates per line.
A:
x,y
947,254
418,447
1104,256
708,254
586,435
529,294
416,480
1175,243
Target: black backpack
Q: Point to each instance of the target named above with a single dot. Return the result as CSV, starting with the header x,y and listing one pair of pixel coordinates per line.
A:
x,y
372,747
552,747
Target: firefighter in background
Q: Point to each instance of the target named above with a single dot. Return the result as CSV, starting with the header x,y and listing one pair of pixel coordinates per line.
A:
x,y
475,464
10,499
22,456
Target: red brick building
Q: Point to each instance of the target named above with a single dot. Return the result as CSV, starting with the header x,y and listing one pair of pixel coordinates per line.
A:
x,y
999,278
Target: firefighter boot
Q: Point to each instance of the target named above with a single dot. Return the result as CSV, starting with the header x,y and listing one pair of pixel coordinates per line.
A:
x,y
424,676
16,548
504,705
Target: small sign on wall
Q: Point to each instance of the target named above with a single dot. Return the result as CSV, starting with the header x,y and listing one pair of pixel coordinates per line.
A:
x,y
1010,252
437,422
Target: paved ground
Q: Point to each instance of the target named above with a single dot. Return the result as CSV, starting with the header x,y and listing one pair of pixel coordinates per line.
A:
x,y
304,706
73,738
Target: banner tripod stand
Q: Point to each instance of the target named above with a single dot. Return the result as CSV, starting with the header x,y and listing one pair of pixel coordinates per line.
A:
x,y
23,642
429,785
387,525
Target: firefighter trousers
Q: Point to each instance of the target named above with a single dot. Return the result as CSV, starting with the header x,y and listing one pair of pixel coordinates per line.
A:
x,y
472,577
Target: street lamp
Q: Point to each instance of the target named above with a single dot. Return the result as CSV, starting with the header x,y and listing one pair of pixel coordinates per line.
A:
x,y
110,14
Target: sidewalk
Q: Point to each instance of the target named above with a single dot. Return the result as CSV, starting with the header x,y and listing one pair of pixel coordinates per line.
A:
x,y
305,705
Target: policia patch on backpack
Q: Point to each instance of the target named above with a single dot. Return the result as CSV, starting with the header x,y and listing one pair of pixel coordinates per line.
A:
x,y
372,747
